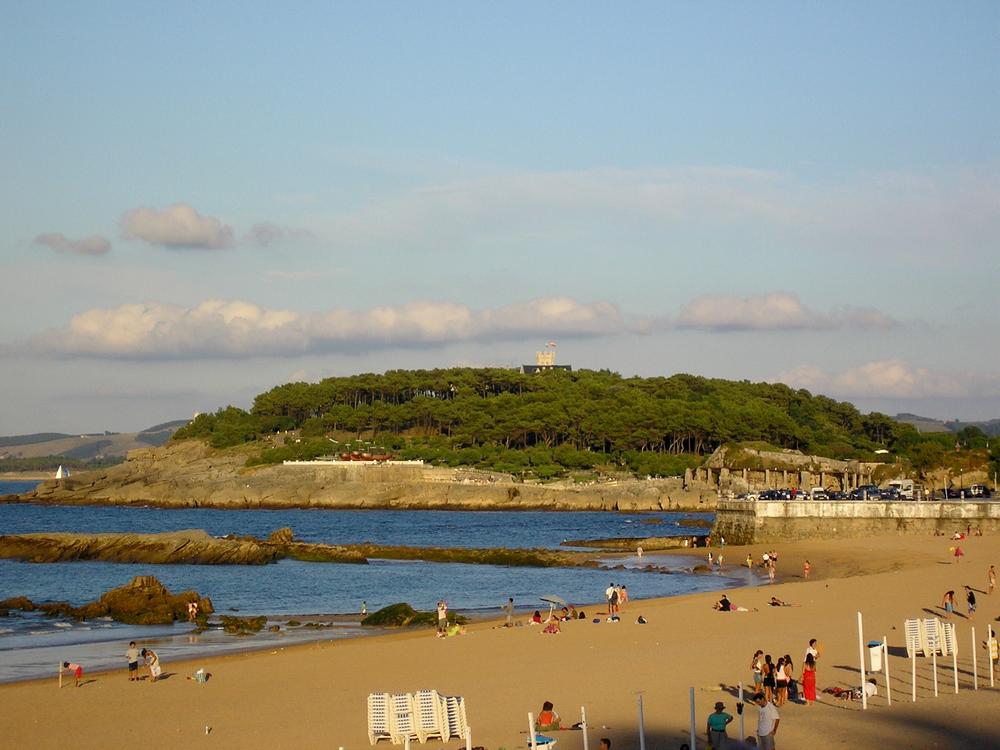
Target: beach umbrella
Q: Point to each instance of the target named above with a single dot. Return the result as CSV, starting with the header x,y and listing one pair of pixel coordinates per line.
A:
x,y
553,601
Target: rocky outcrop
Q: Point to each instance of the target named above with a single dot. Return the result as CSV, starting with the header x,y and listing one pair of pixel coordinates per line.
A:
x,y
191,474
196,547
193,547
142,601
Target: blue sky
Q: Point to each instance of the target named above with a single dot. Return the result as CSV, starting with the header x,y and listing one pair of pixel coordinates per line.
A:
x,y
203,200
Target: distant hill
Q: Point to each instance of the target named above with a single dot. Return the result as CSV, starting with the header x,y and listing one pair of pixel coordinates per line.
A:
x,y
928,424
87,446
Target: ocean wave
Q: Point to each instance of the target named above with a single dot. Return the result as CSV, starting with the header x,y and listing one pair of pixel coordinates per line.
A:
x,y
6,630
62,625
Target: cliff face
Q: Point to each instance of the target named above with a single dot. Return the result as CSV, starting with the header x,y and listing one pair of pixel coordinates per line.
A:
x,y
191,474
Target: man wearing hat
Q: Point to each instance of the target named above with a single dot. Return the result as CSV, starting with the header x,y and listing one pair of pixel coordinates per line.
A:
x,y
717,722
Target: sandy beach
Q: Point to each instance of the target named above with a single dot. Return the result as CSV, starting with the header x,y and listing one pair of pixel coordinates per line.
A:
x,y
314,695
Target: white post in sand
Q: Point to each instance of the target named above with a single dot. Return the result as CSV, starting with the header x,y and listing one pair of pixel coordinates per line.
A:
x,y
583,726
468,737
861,654
934,667
954,658
406,743
913,674
989,650
742,735
60,675
975,666
693,741
642,726
532,742
885,663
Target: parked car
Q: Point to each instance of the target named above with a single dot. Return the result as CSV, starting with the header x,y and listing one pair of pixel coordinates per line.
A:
x,y
865,492
836,495
978,490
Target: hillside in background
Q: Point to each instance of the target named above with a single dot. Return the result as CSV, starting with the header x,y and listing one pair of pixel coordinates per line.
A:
x,y
555,422
989,427
48,450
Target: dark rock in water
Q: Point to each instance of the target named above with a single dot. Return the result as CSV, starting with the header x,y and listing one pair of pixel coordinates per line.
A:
x,y
402,614
274,629
651,521
22,603
193,547
243,625
142,601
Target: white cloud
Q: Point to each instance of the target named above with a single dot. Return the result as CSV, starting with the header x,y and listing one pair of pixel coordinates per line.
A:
x,y
778,311
95,244
892,378
218,328
178,226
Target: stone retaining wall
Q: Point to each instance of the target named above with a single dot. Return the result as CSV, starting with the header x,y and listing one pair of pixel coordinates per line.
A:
x,y
743,522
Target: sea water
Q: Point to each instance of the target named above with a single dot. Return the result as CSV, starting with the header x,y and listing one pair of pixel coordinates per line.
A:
x,y
31,644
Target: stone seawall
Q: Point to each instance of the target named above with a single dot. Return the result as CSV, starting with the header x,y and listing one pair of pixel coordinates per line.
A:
x,y
743,522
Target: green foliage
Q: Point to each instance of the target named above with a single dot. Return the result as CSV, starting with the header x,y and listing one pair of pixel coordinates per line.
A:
x,y
556,422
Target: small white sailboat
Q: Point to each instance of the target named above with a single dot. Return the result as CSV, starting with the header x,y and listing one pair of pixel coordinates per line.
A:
x,y
61,472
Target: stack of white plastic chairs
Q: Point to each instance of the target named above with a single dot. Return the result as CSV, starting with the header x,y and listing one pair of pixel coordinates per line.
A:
x,y
929,635
420,716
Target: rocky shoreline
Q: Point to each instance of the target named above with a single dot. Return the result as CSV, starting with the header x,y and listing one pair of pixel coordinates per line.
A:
x,y
189,473
197,547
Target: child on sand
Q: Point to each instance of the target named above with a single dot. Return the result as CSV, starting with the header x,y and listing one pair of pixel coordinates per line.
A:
x,y
153,662
132,657
76,669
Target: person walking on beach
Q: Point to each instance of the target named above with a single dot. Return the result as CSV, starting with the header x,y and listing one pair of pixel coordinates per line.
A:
x,y
607,596
948,602
749,561
508,609
442,612
364,608
132,657
991,577
716,726
806,569
970,599
767,722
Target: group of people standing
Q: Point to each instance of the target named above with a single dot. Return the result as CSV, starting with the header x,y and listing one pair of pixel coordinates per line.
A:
x,y
616,597
776,680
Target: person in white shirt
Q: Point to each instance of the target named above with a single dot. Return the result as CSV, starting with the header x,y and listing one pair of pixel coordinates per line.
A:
x,y
812,649
767,722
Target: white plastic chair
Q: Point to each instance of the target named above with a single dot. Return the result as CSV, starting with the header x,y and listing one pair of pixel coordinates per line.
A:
x,y
428,716
378,717
401,718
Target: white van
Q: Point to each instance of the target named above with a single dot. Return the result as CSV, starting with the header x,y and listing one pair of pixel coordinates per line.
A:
x,y
903,486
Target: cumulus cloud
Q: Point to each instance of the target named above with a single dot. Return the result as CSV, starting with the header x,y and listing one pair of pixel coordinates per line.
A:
x,y
778,311
265,233
178,226
233,328
95,244
892,378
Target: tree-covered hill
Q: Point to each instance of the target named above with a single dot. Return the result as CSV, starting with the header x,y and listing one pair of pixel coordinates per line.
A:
x,y
554,421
